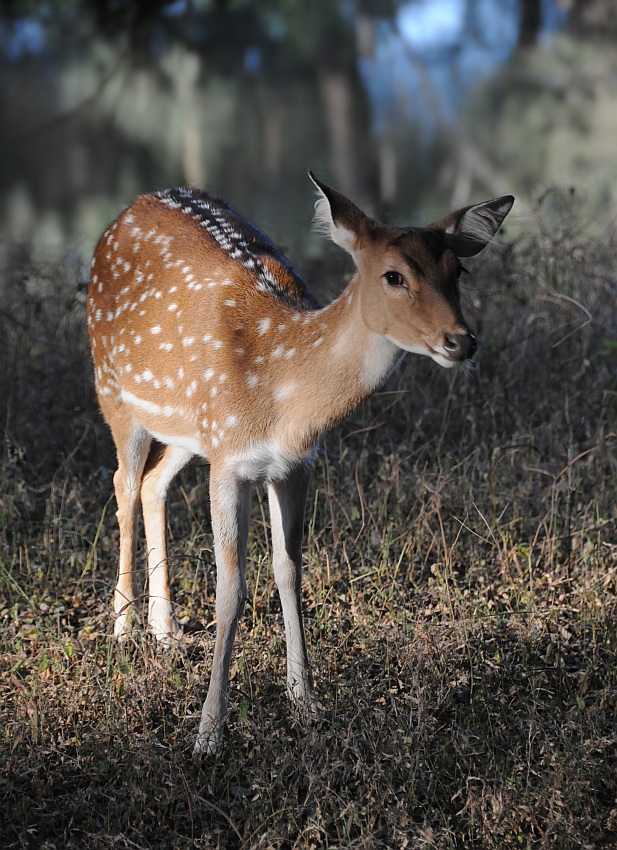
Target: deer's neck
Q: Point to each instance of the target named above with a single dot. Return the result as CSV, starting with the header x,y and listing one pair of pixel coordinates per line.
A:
x,y
337,363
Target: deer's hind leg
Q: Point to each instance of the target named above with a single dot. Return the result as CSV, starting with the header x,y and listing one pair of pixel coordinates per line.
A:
x,y
163,465
132,445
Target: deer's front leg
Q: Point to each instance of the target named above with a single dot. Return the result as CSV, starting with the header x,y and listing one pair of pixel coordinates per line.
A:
x,y
230,504
287,502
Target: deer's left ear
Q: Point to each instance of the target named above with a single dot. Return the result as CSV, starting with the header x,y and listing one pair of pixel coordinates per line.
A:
x,y
338,218
470,229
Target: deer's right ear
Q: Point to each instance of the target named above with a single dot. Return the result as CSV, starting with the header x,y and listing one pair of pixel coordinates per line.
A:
x,y
470,229
337,217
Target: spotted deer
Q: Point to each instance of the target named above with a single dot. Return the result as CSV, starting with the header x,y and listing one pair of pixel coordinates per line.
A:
x,y
207,342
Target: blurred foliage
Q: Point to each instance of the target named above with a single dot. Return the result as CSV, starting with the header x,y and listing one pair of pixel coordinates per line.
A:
x,y
241,97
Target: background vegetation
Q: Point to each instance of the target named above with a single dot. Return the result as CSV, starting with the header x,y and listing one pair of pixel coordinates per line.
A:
x,y
101,100
460,595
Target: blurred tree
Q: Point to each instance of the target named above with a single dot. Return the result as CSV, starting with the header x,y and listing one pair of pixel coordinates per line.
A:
x,y
530,22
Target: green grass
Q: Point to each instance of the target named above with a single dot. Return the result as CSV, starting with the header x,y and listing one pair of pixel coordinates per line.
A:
x,y
460,597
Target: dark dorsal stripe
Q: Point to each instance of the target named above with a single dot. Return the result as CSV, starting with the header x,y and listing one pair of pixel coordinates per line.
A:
x,y
242,241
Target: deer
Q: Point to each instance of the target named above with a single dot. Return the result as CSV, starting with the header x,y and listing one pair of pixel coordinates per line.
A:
x,y
206,342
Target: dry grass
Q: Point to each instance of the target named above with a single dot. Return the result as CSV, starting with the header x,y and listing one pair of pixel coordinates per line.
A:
x,y
460,593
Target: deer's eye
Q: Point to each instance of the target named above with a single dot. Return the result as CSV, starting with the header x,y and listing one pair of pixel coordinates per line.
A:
x,y
394,278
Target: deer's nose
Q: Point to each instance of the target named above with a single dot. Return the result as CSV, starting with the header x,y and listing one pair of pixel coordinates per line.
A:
x,y
460,346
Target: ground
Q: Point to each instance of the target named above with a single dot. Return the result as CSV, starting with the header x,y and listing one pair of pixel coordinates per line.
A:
x,y
460,596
